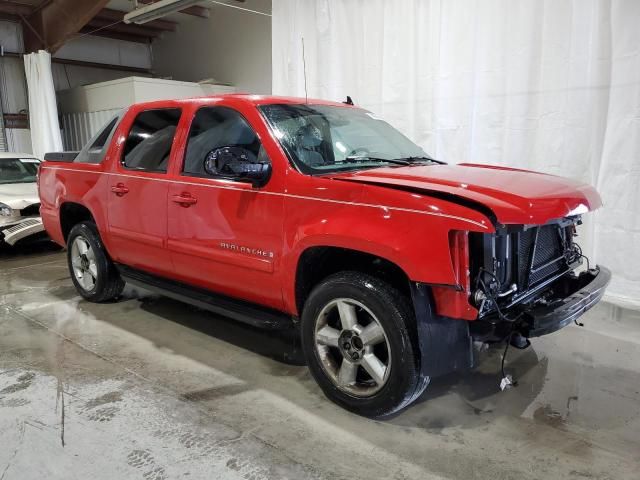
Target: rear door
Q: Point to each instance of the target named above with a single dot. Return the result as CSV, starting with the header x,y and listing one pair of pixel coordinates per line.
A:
x,y
225,235
137,192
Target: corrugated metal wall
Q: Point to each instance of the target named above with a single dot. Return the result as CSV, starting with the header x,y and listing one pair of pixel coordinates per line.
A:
x,y
78,128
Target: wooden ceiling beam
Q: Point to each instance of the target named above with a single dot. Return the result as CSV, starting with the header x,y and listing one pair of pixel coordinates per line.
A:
x,y
115,35
51,26
15,8
107,25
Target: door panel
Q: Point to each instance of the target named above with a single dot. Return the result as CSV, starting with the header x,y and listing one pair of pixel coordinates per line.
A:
x,y
138,222
137,192
228,236
229,241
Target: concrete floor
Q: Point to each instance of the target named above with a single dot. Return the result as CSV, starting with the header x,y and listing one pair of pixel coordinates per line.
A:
x,y
150,388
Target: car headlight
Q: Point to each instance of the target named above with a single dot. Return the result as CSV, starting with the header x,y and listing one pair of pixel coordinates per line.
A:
x,y
5,210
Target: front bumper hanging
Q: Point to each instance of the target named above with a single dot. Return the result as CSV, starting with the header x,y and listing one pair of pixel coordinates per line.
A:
x,y
578,294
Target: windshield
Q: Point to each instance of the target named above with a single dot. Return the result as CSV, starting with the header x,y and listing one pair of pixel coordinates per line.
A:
x,y
324,139
18,170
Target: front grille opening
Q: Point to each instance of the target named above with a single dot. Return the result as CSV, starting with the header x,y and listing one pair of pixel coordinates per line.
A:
x,y
541,254
512,265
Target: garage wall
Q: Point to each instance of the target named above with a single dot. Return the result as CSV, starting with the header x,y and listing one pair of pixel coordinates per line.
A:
x,y
13,89
13,92
233,46
546,85
71,76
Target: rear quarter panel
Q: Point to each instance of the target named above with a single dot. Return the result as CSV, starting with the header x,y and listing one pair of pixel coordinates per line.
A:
x,y
61,182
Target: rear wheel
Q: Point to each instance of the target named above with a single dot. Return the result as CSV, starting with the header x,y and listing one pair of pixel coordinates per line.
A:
x,y
359,344
92,271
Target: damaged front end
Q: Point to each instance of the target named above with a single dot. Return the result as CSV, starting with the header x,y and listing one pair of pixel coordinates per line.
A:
x,y
16,225
525,280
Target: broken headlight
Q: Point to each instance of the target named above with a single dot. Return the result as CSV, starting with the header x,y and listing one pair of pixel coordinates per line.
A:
x,y
5,210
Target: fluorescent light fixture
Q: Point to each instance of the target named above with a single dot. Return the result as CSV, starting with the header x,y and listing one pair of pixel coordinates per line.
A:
x,y
157,10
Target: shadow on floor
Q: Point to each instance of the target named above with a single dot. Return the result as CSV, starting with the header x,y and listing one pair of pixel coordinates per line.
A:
x,y
460,399
38,248
281,345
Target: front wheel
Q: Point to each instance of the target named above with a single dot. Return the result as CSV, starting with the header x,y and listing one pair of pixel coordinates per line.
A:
x,y
359,344
92,271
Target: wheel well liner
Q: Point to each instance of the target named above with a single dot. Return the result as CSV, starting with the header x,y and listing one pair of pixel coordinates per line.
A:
x,y
317,263
71,214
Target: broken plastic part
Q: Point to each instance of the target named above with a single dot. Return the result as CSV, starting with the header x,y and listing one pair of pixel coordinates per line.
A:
x,y
506,382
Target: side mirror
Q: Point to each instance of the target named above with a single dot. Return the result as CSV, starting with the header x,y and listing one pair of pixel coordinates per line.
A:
x,y
237,163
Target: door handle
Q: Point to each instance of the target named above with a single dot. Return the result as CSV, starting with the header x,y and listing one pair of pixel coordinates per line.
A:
x,y
119,189
185,199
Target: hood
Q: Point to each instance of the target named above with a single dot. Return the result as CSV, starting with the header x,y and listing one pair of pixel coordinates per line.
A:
x,y
513,196
19,195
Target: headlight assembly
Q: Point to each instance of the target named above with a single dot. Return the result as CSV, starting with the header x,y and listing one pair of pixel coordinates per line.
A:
x,y
5,210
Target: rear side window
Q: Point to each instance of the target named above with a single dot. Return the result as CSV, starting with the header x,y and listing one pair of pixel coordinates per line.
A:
x,y
101,141
95,150
150,139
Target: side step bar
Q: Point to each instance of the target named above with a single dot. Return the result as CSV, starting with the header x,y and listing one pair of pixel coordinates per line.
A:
x,y
255,315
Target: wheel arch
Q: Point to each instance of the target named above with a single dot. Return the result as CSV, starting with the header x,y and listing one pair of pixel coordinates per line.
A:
x,y
317,262
72,213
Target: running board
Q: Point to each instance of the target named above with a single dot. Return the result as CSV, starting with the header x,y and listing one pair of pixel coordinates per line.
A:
x,y
246,312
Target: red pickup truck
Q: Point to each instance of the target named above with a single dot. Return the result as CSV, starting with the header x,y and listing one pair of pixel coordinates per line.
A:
x,y
282,211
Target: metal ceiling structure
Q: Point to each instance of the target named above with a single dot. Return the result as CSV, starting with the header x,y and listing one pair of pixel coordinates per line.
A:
x,y
48,24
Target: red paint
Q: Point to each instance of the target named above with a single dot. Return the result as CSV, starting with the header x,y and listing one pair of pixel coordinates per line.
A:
x,y
186,227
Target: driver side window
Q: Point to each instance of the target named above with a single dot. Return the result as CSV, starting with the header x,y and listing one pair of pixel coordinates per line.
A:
x,y
217,127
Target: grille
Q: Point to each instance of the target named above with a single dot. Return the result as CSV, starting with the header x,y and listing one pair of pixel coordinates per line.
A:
x,y
548,254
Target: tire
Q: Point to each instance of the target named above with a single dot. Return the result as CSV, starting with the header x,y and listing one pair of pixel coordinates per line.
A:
x,y
93,273
382,385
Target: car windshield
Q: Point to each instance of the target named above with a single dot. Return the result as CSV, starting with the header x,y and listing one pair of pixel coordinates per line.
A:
x,y
18,170
324,139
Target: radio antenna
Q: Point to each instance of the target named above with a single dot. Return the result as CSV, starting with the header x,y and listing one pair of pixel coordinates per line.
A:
x,y
304,72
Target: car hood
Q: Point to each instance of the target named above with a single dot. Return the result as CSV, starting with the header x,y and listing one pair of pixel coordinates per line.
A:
x,y
19,195
513,196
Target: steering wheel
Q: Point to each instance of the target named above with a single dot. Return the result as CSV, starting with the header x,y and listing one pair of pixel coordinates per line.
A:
x,y
360,152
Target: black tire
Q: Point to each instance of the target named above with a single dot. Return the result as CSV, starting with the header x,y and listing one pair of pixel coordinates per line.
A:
x,y
107,283
393,312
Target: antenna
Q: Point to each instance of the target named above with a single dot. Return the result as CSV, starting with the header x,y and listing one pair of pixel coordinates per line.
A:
x,y
304,71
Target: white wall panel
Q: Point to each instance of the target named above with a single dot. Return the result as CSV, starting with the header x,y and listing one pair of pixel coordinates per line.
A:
x,y
232,46
11,37
13,84
78,128
107,50
18,140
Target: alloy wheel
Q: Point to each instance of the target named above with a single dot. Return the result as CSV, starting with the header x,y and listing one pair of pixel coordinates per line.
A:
x,y
352,347
84,265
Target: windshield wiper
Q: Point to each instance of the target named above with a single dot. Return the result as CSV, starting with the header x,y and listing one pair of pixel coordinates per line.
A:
x,y
422,159
367,159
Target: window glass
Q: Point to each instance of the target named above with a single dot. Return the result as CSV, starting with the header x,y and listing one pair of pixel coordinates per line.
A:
x,y
100,141
149,142
216,127
18,170
322,138
94,151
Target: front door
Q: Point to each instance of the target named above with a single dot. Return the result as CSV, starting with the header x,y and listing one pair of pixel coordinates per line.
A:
x,y
137,192
224,235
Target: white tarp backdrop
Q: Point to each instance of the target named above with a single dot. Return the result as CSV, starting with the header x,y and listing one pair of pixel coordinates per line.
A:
x,y
547,85
43,112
